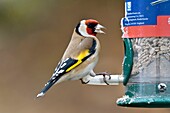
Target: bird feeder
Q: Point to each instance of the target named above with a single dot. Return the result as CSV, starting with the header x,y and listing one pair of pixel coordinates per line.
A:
x,y
146,66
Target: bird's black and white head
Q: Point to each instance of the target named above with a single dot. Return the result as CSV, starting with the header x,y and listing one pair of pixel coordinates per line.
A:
x,y
89,28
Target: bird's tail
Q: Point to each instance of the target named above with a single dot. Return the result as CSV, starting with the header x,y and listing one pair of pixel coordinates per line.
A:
x,y
47,86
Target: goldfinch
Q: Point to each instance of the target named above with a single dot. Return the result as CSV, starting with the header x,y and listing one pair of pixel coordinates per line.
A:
x,y
80,57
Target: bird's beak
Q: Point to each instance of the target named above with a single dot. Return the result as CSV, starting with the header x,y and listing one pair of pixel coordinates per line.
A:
x,y
98,29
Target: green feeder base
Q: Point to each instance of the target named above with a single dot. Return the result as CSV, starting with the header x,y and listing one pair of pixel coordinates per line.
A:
x,y
148,102
146,95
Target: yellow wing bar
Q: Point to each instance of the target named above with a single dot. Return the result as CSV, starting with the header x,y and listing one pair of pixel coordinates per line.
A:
x,y
82,55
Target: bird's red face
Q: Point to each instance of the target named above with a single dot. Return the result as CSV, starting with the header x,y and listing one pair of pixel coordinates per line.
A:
x,y
89,28
91,24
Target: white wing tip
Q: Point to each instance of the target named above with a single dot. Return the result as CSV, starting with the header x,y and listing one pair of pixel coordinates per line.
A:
x,y
40,94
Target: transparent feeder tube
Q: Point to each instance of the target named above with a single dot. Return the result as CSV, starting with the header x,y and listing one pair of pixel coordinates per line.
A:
x,y
151,60
151,65
149,82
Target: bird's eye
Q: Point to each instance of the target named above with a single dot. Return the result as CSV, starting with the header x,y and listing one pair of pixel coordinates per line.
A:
x,y
91,25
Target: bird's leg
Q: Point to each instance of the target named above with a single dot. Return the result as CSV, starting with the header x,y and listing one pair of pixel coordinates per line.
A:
x,y
104,76
92,73
85,80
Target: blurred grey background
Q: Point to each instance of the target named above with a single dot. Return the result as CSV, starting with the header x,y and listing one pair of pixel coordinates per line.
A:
x,y
33,37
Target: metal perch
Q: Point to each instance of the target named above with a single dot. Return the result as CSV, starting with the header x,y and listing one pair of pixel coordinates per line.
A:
x,y
101,80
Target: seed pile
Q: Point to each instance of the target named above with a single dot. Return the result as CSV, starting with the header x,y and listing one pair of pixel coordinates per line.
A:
x,y
146,50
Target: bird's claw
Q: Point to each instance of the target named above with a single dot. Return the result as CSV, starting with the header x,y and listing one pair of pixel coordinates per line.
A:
x,y
83,82
104,76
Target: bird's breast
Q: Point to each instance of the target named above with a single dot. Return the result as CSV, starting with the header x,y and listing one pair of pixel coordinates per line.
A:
x,y
84,69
